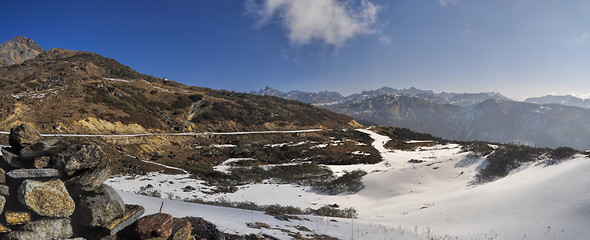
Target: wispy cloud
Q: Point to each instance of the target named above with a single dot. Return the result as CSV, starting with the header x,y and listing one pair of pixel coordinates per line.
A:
x,y
332,22
579,40
447,2
385,40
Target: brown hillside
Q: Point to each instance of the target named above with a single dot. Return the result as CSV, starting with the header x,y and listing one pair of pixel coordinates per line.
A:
x,y
66,91
63,91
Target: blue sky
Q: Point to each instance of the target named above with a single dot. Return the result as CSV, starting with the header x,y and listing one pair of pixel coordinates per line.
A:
x,y
520,48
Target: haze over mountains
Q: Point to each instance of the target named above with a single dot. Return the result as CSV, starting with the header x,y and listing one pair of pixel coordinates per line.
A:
x,y
462,116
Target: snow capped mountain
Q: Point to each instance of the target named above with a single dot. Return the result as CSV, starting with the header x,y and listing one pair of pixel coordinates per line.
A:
x,y
567,100
471,116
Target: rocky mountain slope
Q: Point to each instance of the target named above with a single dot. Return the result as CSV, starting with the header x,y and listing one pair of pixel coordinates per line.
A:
x,y
490,120
18,50
469,116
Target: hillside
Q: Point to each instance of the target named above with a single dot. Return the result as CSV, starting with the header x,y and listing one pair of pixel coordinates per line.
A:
x,y
77,92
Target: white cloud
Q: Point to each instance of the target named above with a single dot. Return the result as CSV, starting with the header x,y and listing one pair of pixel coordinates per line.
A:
x,y
385,40
447,2
333,22
580,40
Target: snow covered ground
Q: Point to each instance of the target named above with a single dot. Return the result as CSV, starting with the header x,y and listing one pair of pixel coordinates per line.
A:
x,y
401,200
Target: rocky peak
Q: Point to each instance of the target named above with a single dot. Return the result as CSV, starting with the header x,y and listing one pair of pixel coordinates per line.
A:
x,y
18,50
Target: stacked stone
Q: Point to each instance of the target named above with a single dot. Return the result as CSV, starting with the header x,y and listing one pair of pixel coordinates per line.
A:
x,y
52,190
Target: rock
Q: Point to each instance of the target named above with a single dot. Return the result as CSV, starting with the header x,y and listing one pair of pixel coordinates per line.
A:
x,y
47,198
77,157
42,162
182,230
157,225
42,149
23,136
2,203
4,229
132,213
22,235
17,217
98,209
12,159
59,228
89,180
4,190
48,228
2,175
34,173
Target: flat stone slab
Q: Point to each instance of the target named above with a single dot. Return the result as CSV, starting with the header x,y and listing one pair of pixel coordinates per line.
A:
x,y
34,173
132,214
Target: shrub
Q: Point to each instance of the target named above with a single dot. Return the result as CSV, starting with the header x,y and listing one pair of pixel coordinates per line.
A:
x,y
348,183
478,148
508,157
563,153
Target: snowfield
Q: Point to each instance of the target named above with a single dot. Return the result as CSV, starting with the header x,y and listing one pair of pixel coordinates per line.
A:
x,y
432,198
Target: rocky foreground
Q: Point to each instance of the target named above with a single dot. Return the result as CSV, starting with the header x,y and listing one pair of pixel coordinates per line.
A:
x,y
50,189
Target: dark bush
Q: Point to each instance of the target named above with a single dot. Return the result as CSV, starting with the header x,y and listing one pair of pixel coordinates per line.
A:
x,y
348,183
563,153
506,158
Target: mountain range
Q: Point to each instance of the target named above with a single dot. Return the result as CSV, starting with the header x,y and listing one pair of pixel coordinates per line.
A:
x,y
461,116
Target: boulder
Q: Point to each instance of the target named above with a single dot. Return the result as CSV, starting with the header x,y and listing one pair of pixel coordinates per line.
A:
x,y
2,175
12,159
2,203
98,209
47,228
77,157
47,198
42,162
17,217
23,136
89,180
157,225
34,173
42,149
4,190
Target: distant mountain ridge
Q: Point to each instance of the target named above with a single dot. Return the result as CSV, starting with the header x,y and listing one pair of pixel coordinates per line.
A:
x,y
567,100
18,50
326,97
469,116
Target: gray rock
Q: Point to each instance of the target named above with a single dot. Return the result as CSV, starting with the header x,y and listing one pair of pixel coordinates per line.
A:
x,y
34,173
4,190
98,209
77,157
12,159
51,228
22,235
48,198
2,203
89,180
47,228
23,136
42,148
